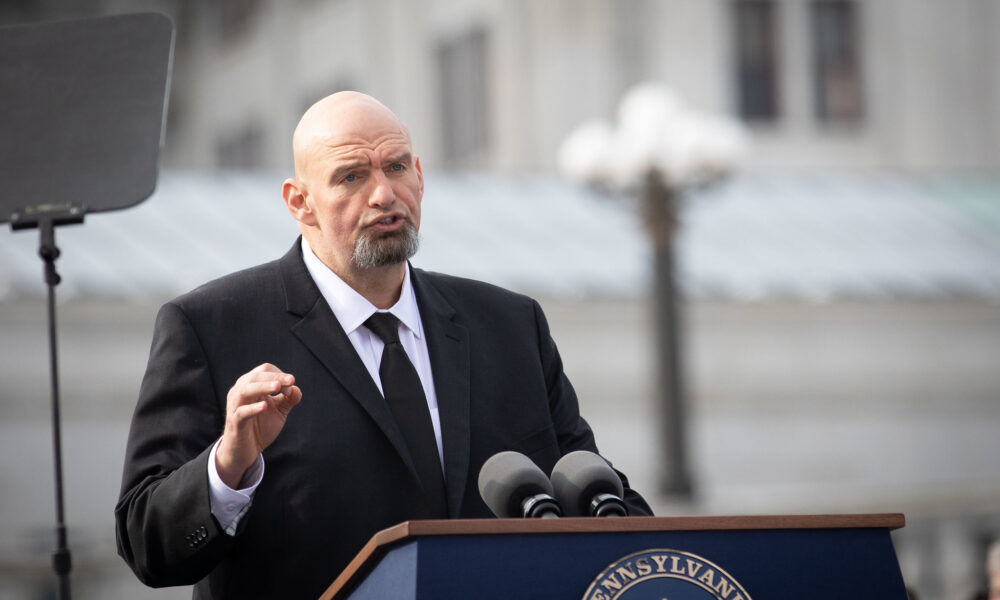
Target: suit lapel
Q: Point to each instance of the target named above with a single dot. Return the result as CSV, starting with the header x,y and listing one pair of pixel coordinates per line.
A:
x,y
448,347
320,331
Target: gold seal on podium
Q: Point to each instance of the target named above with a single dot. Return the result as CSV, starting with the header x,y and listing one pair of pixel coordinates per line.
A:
x,y
665,574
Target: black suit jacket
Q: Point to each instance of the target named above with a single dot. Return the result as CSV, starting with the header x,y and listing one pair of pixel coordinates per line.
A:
x,y
339,471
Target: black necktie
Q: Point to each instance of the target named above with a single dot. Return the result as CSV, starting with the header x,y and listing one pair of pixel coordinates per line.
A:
x,y
405,396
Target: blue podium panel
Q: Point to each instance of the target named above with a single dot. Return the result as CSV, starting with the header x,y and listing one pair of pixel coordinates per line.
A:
x,y
393,576
716,564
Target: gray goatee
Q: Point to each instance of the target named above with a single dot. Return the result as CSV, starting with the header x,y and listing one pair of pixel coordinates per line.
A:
x,y
374,249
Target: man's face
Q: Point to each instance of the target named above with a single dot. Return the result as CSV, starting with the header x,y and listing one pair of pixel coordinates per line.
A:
x,y
363,188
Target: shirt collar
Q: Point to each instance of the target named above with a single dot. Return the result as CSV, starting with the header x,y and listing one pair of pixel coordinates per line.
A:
x,y
351,308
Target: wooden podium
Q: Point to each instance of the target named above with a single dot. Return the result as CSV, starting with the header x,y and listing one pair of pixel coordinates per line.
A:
x,y
819,557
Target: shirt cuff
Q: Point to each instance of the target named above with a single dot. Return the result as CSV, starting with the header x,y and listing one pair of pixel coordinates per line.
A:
x,y
229,505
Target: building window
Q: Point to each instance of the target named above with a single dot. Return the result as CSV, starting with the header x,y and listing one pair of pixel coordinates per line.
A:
x,y
756,59
463,102
240,149
837,76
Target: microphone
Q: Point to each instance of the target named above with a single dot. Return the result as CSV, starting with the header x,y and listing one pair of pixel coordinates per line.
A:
x,y
585,485
513,486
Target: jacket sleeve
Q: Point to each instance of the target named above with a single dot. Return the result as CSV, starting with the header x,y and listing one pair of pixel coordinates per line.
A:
x,y
164,526
572,430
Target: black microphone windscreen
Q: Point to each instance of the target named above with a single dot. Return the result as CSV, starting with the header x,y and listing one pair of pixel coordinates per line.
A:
x,y
509,477
580,476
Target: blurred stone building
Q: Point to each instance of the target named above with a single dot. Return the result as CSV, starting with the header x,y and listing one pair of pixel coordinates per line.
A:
x,y
843,327
497,84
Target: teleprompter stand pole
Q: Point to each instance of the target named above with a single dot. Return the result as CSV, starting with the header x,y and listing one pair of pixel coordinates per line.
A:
x,y
46,218
84,111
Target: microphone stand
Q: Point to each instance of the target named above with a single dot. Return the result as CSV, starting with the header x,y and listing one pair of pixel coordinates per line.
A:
x,y
46,218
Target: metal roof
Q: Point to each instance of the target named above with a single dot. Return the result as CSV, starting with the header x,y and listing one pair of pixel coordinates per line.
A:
x,y
830,235
813,236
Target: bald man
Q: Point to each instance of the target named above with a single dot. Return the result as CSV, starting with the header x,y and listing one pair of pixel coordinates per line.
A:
x,y
265,448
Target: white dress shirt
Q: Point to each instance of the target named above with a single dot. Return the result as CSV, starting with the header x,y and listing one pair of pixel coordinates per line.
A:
x,y
352,310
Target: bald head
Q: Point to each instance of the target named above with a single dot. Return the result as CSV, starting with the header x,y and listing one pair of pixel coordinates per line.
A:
x,y
342,118
357,192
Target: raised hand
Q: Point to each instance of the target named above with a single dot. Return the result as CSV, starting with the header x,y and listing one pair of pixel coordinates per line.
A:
x,y
256,408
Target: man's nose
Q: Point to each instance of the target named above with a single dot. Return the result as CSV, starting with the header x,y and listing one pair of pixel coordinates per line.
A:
x,y
382,195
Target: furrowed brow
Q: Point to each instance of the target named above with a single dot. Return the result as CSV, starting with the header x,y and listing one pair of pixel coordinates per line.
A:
x,y
342,171
404,158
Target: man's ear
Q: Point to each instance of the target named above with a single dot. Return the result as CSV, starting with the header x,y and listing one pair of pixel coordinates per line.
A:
x,y
420,173
295,194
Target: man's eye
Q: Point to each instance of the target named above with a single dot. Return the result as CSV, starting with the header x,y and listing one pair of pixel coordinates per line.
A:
x,y
397,167
351,178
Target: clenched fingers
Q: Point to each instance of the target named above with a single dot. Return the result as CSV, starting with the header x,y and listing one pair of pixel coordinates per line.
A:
x,y
264,380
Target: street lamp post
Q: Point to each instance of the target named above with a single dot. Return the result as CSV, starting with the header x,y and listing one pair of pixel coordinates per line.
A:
x,y
658,150
659,206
